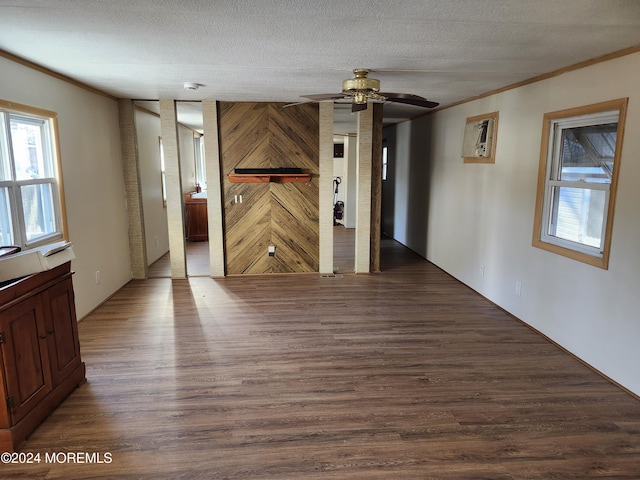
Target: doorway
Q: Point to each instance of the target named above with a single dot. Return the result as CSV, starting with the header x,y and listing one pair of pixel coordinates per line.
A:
x,y
344,231
153,186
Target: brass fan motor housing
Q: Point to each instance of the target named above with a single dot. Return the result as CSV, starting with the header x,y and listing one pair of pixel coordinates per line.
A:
x,y
361,90
360,86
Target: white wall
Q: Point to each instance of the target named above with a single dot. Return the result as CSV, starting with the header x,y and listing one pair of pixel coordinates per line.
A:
x,y
187,159
155,213
92,175
470,215
350,181
338,171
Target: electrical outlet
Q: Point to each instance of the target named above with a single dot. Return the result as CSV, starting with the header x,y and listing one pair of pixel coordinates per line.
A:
x,y
272,250
482,270
518,288
97,277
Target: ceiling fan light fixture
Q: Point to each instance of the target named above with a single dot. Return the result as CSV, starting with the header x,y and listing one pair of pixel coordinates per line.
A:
x,y
360,84
359,98
361,89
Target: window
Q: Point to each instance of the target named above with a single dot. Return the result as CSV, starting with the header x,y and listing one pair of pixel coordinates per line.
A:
x,y
577,179
201,172
30,184
163,175
385,159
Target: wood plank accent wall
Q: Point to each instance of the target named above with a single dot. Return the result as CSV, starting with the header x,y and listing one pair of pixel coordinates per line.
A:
x,y
266,135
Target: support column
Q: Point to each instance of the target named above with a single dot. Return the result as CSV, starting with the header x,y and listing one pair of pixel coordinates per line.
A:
x,y
132,185
175,208
363,208
214,188
326,187
376,187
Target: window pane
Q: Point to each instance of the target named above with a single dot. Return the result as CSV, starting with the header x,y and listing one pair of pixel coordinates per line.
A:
x,y
587,153
6,231
578,215
163,176
32,159
384,162
39,217
201,172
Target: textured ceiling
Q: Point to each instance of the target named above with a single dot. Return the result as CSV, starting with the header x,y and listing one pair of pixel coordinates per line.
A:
x,y
277,50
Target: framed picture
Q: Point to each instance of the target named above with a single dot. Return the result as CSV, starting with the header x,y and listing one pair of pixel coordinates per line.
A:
x,y
479,142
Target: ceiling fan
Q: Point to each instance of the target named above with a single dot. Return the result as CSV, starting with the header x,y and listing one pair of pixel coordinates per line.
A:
x,y
361,89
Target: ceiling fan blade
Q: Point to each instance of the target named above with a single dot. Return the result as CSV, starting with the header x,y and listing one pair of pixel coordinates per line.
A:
x,y
409,99
357,107
325,96
294,104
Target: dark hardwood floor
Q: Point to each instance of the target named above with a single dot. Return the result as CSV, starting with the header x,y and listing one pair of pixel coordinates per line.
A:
x,y
197,254
407,374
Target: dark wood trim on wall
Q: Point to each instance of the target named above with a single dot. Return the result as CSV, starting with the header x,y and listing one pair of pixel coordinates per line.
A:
x,y
376,187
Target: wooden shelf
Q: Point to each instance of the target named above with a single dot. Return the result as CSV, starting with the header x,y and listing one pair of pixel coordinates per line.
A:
x,y
269,177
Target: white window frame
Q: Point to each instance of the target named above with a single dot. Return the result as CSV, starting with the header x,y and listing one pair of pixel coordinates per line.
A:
x,y
549,178
48,121
201,172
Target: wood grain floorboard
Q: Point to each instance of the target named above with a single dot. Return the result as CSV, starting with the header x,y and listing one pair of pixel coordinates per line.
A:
x,y
407,374
197,261
344,249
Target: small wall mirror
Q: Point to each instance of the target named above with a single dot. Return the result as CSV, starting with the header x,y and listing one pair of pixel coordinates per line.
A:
x,y
479,142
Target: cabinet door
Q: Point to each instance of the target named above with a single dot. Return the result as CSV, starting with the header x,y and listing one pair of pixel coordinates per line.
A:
x,y
25,356
197,226
62,330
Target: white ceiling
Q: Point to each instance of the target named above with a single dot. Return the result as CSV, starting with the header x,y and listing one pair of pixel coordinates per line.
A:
x,y
277,50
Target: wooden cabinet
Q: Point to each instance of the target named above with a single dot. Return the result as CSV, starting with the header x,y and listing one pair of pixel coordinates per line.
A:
x,y
40,361
197,226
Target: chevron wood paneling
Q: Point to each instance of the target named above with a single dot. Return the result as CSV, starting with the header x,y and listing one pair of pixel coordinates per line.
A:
x,y
247,228
266,135
294,227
